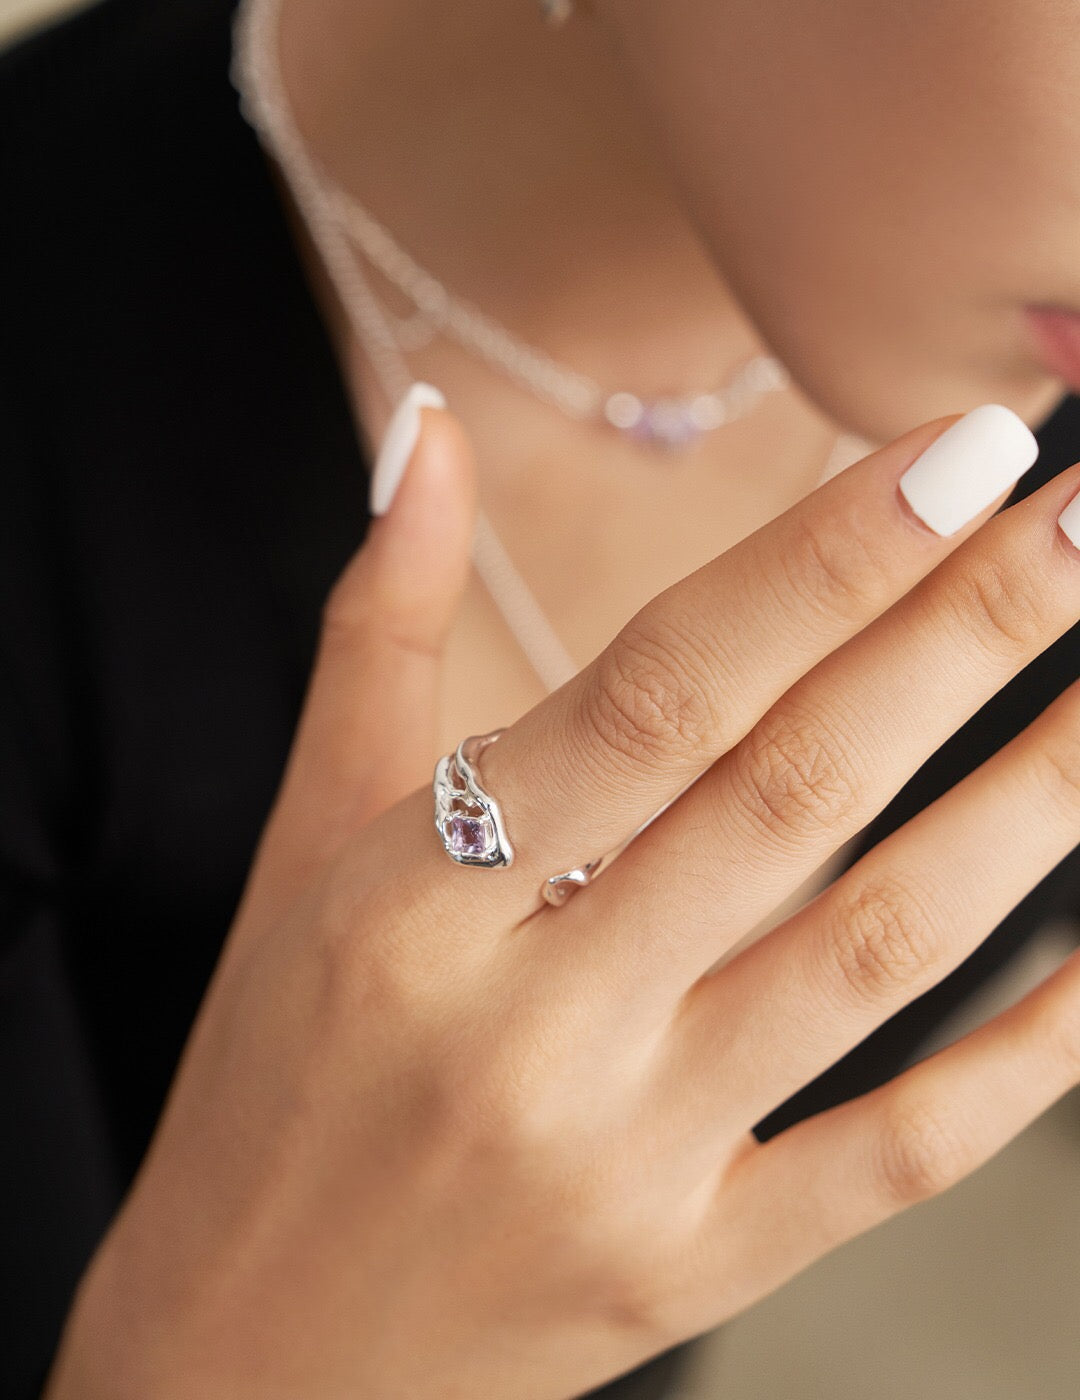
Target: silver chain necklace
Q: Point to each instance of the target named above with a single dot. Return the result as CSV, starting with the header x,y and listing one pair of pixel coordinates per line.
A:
x,y
335,221
670,422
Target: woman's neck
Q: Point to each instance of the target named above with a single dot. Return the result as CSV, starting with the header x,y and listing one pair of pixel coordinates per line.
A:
x,y
507,158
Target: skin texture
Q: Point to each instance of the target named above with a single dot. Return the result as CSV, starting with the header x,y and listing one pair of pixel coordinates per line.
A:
x,y
654,191
429,1138
867,167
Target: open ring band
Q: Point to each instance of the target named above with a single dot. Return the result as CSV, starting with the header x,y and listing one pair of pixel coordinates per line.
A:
x,y
470,821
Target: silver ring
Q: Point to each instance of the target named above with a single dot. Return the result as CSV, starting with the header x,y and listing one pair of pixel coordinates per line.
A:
x,y
468,819
557,889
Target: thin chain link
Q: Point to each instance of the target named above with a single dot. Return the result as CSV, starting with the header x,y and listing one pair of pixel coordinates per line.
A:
x,y
577,395
255,75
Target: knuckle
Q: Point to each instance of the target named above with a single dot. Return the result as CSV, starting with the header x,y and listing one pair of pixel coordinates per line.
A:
x,y
369,940
358,611
359,973
340,921
498,1101
831,567
920,1154
633,1277
881,940
344,606
364,903
1057,770
1001,608
793,775
649,698
634,1301
1061,1035
509,1079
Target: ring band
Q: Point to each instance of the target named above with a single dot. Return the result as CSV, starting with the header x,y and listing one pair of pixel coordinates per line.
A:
x,y
557,889
470,821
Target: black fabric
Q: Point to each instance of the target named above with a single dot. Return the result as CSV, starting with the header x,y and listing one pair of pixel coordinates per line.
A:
x,y
182,482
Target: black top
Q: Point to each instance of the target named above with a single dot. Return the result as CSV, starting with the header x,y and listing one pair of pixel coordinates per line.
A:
x,y
182,482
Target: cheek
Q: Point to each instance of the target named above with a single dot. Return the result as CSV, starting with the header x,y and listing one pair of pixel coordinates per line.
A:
x,y
881,193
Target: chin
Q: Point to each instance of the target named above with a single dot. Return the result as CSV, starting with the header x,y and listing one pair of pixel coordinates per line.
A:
x,y
878,397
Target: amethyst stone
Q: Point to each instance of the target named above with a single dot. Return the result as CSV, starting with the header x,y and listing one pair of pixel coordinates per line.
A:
x,y
665,424
468,836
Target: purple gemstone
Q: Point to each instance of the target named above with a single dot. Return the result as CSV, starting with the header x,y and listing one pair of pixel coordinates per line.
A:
x,y
468,836
666,424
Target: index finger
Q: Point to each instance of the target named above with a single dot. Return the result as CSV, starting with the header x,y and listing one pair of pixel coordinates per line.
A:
x,y
695,669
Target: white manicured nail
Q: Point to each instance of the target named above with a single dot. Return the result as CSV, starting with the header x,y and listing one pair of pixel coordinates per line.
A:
x,y
968,467
397,445
1069,520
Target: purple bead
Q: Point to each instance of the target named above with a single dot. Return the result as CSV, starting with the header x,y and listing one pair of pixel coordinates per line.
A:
x,y
666,424
468,835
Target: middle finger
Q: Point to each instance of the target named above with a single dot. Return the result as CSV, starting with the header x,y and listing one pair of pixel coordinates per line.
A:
x,y
829,754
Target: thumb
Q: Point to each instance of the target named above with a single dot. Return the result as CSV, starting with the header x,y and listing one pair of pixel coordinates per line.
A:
x,y
367,730
396,602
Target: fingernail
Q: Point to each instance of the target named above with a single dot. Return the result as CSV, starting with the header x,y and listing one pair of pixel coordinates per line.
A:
x,y
968,467
397,445
1069,520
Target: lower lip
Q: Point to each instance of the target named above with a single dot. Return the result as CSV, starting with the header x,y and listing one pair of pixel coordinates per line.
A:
x,y
1057,335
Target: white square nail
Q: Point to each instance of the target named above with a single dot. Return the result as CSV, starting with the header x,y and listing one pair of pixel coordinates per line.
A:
x,y
968,467
399,440
1069,520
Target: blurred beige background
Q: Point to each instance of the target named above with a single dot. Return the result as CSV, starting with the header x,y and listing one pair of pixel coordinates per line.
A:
x,y
18,14
973,1296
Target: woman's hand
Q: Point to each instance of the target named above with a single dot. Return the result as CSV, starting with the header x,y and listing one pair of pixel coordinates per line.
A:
x,y
430,1139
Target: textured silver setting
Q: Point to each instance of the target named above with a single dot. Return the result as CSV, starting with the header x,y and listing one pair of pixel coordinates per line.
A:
x,y
468,819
